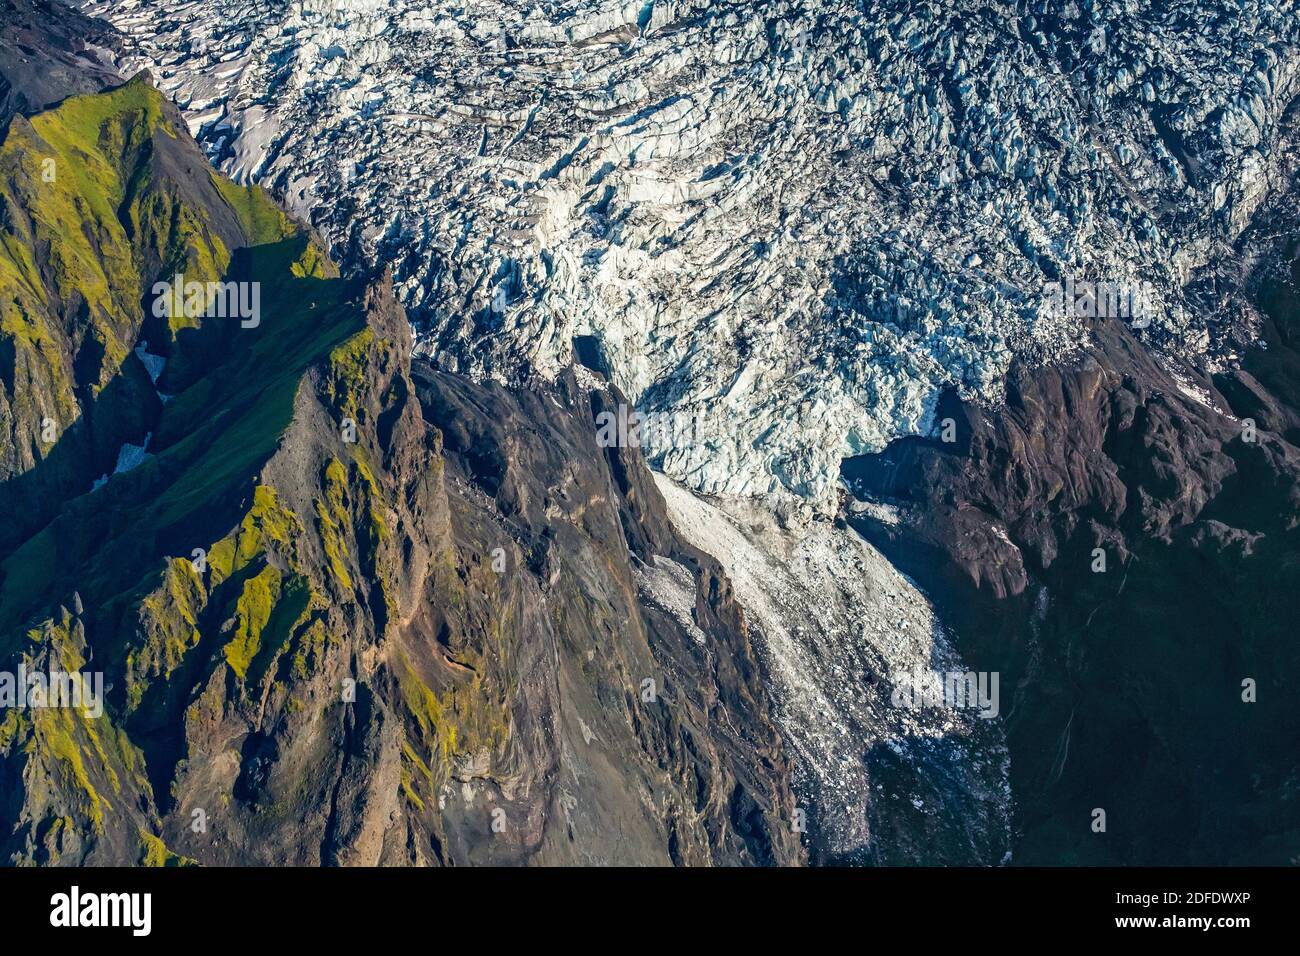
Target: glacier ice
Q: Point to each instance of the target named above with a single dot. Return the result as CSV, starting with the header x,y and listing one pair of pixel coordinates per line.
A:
x,y
800,220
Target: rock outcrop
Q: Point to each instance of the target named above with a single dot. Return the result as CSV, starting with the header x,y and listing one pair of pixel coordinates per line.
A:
x,y
49,51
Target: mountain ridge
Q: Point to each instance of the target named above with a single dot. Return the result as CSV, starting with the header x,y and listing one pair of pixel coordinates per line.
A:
x,y
339,674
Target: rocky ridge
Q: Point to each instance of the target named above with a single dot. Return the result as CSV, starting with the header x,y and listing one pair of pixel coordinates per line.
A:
x,y
349,610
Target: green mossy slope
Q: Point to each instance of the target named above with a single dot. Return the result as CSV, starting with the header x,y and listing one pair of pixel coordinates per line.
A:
x,y
96,187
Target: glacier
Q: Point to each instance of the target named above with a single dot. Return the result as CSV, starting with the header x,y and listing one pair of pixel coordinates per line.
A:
x,y
800,222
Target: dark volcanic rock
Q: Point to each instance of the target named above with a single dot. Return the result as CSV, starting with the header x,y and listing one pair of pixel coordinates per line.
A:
x,y
695,775
46,55
1128,681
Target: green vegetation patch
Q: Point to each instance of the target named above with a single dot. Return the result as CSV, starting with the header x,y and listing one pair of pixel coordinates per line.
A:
x,y
169,625
154,853
252,613
262,220
333,520
347,378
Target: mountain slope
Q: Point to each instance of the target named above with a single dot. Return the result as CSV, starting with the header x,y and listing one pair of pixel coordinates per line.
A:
x,y
314,651
100,197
